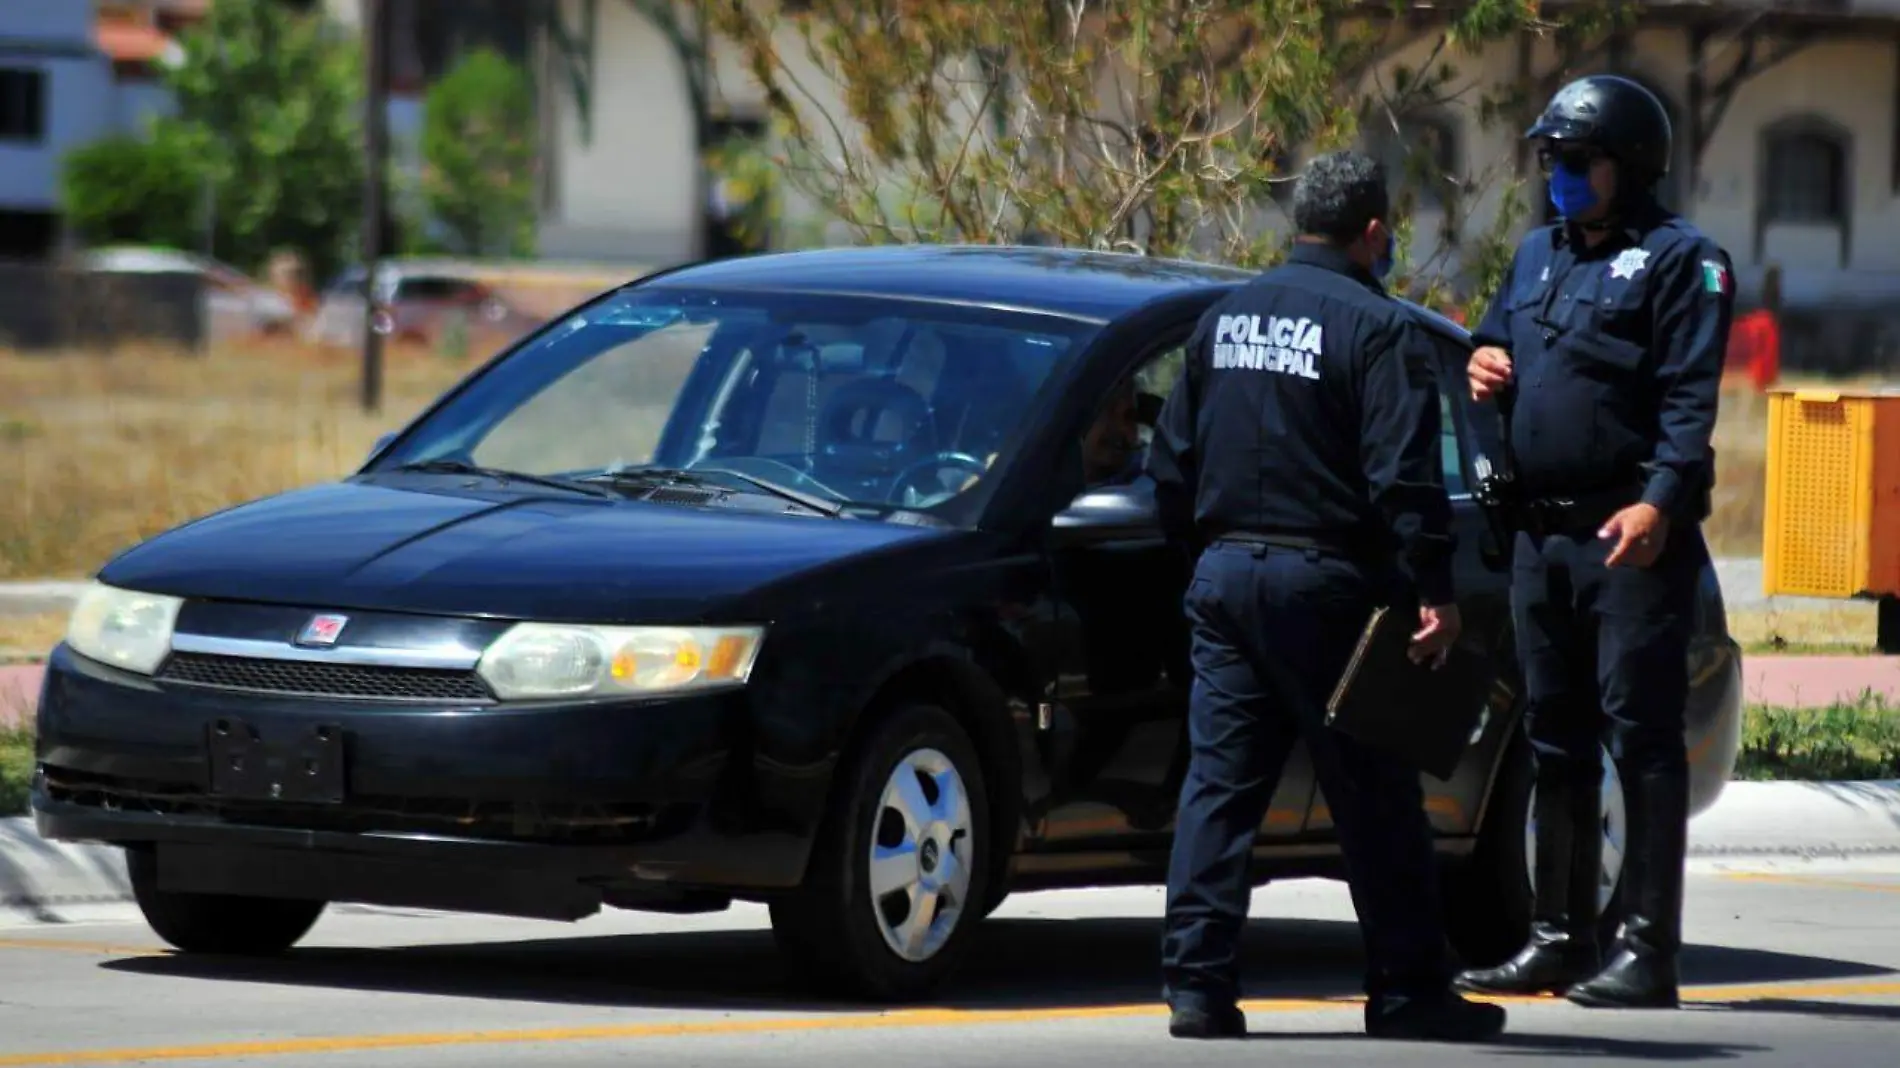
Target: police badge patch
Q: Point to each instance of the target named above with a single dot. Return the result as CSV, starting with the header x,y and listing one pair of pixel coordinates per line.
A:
x,y
1628,262
1714,277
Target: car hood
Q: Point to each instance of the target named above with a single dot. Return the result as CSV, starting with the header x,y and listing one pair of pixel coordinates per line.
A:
x,y
514,554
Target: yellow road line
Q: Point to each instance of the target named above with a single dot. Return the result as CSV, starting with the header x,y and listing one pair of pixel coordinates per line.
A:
x,y
852,1022
1810,880
62,945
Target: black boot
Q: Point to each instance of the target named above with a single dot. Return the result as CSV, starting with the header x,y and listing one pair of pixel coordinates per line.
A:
x,y
1643,973
1563,945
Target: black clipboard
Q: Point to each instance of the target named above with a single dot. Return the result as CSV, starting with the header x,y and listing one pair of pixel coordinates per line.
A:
x,y
1421,714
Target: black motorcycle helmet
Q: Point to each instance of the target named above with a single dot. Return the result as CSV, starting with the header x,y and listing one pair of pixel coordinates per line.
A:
x,y
1616,116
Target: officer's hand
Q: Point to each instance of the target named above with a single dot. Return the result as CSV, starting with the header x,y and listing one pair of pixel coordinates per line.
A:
x,y
1489,372
1640,531
1438,628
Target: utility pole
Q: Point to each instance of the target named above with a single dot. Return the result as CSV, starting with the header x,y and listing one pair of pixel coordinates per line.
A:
x,y
376,145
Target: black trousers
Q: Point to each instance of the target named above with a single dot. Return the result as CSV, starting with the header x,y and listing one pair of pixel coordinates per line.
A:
x,y
1272,630
1604,652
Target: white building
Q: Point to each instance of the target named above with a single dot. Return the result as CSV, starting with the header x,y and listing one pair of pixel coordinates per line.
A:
x,y
56,90
72,71
1792,162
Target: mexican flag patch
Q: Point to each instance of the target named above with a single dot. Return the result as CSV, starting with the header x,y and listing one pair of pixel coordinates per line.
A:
x,y
1714,277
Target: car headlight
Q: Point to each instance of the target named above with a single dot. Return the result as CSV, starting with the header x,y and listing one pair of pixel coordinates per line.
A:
x,y
544,660
123,628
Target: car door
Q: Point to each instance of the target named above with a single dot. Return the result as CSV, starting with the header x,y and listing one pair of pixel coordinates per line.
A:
x,y
1482,582
1122,669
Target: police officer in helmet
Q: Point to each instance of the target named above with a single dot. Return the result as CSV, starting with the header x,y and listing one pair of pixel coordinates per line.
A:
x,y
1301,449
1604,350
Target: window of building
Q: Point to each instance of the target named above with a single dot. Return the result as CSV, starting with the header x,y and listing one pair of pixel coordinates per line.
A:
x,y
1806,172
22,105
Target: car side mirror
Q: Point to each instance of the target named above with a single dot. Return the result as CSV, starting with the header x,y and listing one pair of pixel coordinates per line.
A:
x,y
381,444
1116,511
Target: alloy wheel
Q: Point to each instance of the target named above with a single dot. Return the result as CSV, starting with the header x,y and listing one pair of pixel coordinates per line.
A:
x,y
919,862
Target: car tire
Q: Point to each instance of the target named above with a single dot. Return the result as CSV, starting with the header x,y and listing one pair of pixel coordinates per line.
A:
x,y
226,924
1488,898
831,931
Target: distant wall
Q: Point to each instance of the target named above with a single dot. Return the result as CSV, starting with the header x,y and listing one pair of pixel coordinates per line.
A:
x,y
44,308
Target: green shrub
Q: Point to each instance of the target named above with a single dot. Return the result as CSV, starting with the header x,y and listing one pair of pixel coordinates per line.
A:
x,y
16,769
124,188
1844,741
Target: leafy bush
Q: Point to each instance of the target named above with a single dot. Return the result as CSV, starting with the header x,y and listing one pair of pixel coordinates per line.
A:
x,y
478,152
16,769
125,189
1844,741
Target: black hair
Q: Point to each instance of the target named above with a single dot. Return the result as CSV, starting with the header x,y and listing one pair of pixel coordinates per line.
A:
x,y
1339,194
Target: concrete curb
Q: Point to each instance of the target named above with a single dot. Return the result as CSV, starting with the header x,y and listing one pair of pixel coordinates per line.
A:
x,y
1805,819
39,597
49,882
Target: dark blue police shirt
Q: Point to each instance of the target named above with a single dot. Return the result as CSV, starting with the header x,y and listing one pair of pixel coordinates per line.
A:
x,y
1309,407
1617,356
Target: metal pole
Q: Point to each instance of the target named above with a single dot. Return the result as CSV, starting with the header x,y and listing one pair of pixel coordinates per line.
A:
x,y
376,154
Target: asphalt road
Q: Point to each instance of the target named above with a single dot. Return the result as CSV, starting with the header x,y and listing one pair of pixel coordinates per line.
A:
x,y
1794,967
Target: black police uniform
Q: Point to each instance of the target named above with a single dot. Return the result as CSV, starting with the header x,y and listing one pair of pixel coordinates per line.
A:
x,y
1616,356
1298,453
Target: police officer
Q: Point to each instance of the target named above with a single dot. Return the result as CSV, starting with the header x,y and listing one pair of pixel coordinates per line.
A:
x,y
1607,344
1300,455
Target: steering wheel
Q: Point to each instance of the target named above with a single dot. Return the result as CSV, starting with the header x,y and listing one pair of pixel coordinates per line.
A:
x,y
902,492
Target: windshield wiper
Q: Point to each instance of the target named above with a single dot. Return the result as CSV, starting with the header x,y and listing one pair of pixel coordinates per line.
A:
x,y
503,475
699,475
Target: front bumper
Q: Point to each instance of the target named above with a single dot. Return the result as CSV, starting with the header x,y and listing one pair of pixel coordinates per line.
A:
x,y
626,801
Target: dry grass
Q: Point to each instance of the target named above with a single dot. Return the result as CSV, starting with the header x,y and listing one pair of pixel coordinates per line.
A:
x,y
1848,627
98,452
1741,472
33,636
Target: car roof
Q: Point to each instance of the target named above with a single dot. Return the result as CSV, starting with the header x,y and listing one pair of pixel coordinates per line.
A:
x,y
1079,283
1098,286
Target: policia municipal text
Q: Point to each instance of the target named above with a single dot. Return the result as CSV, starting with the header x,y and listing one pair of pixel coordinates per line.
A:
x,y
1300,457
1604,349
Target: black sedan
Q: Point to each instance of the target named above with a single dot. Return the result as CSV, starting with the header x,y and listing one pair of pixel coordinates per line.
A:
x,y
823,579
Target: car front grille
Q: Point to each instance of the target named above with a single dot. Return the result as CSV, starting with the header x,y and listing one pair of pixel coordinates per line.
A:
x,y
298,678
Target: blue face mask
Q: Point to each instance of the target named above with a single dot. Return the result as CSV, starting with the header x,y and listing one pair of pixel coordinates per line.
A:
x,y
1382,265
1570,191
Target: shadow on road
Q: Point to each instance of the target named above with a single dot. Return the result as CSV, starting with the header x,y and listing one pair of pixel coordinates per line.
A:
x,y
1515,1044
1820,1010
1013,964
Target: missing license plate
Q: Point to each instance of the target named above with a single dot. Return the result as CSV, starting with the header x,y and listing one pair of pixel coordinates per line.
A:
x,y
251,764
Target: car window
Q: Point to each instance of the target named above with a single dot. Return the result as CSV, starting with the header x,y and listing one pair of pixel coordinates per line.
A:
x,y
432,288
878,403
1116,438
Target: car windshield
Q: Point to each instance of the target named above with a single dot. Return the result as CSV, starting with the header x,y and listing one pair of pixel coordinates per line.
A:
x,y
868,404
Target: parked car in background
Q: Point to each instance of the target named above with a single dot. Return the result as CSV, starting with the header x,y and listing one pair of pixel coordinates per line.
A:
x,y
236,304
420,301
816,579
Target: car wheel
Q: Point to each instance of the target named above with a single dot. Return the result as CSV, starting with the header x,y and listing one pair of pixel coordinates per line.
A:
x,y
1488,901
217,923
900,868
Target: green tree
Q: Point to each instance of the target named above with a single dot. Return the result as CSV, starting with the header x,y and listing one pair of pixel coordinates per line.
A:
x,y
124,188
270,102
1163,127
478,156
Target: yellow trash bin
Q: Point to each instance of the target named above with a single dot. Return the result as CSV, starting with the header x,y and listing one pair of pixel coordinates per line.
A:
x,y
1832,527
